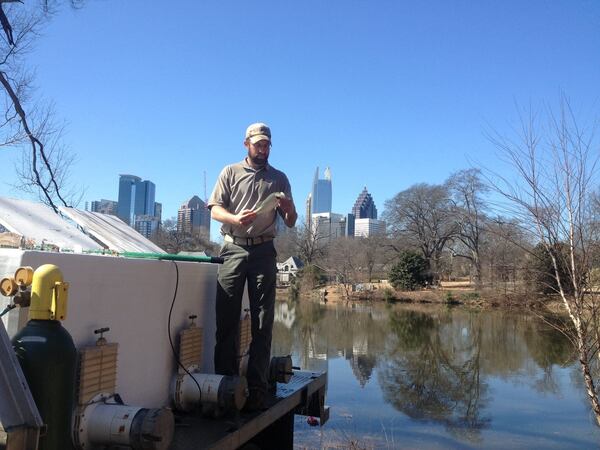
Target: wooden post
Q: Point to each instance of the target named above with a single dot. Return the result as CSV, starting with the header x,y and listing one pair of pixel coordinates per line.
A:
x,y
277,436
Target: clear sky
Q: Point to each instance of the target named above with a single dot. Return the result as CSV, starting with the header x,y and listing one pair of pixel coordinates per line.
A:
x,y
387,93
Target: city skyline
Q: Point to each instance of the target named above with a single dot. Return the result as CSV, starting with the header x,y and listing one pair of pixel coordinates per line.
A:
x,y
129,184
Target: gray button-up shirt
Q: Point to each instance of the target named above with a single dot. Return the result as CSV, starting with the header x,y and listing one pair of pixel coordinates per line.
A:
x,y
240,187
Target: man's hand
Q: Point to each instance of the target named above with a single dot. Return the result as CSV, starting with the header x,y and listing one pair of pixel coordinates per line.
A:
x,y
289,210
286,205
244,217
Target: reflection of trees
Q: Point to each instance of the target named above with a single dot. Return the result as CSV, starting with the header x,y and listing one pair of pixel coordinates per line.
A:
x,y
411,328
428,378
548,347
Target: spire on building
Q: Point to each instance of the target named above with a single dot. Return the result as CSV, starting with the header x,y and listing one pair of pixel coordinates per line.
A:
x,y
364,207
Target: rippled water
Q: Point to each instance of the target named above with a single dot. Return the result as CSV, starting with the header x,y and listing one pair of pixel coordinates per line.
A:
x,y
417,377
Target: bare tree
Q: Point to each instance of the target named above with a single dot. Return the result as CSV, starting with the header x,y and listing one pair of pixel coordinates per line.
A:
x,y
423,214
373,254
24,122
555,172
344,261
310,244
467,188
505,248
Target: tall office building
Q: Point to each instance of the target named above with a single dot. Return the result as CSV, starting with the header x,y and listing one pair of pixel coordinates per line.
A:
x,y
193,217
321,193
105,207
136,206
349,225
329,226
364,207
308,210
126,203
146,225
158,211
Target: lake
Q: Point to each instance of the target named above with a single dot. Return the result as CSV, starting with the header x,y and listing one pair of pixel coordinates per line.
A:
x,y
437,378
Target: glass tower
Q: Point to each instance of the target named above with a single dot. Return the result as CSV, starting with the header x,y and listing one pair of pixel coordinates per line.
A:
x,y
136,198
321,193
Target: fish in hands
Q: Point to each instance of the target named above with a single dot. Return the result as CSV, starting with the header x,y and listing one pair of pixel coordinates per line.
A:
x,y
269,204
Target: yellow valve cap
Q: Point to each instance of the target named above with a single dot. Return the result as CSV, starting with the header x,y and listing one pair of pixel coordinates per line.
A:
x,y
8,287
24,275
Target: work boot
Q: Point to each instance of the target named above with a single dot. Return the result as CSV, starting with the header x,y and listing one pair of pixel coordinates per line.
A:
x,y
255,401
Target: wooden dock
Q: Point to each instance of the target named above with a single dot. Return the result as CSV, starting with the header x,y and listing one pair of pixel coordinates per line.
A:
x,y
270,429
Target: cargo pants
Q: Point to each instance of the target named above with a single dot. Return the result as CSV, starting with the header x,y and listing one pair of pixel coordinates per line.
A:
x,y
255,264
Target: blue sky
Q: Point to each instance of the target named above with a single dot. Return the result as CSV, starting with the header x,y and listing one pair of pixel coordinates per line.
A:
x,y
386,93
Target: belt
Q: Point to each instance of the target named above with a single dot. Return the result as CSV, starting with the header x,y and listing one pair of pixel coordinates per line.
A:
x,y
247,242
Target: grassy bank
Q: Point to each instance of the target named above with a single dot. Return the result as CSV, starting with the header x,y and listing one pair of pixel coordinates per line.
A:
x,y
450,293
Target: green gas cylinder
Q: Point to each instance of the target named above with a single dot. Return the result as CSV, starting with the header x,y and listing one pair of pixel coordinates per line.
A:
x,y
48,358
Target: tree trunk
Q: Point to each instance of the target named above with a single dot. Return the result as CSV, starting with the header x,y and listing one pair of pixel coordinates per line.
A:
x,y
589,381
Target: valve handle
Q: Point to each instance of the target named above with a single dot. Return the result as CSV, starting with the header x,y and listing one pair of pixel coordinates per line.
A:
x,y
101,340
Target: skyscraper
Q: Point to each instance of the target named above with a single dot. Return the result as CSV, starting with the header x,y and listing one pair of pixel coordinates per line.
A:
x,y
193,217
136,199
308,210
126,203
364,206
144,198
321,193
328,226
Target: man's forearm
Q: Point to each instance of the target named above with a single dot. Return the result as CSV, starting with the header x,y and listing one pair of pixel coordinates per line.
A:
x,y
222,215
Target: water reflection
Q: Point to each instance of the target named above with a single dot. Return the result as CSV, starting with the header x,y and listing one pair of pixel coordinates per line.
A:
x,y
430,370
433,366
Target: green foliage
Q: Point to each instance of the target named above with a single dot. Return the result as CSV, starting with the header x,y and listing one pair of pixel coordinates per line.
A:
x,y
312,275
294,289
470,296
449,297
388,295
410,272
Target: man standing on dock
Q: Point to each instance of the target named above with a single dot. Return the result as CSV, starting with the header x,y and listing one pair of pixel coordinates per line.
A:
x,y
239,201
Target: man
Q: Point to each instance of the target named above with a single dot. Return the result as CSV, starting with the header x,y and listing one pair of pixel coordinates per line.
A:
x,y
250,256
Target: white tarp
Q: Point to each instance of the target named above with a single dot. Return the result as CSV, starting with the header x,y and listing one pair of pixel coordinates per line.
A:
x,y
39,223
111,231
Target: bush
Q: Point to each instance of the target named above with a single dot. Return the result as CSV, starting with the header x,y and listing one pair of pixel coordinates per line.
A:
x,y
312,276
470,296
410,272
541,270
388,295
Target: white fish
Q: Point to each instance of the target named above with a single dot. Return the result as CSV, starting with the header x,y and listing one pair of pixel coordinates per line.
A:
x,y
267,205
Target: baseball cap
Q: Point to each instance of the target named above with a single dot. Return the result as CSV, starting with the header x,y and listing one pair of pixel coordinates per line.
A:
x,y
258,132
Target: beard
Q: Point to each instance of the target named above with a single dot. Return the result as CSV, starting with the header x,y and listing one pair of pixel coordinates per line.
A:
x,y
258,161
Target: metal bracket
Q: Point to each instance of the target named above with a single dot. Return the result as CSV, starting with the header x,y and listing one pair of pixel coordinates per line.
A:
x,y
314,405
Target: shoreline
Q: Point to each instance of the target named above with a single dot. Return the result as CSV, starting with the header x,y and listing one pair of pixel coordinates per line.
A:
x,y
460,296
